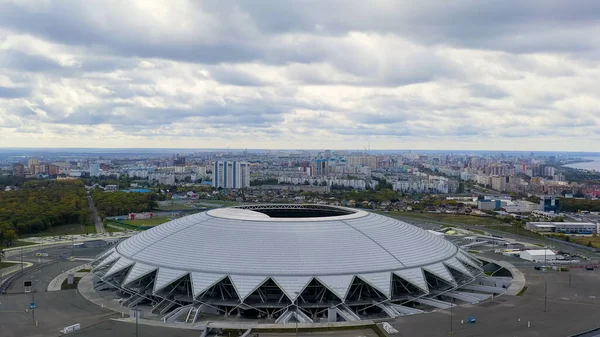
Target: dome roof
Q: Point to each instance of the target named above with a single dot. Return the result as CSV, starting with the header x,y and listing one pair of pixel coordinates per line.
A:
x,y
291,244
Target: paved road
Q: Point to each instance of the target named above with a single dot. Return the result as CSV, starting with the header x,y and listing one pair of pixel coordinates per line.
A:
x,y
557,245
570,309
54,310
97,220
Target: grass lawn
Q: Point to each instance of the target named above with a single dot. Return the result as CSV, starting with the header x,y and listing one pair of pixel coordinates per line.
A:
x,y
517,230
7,264
65,285
147,222
445,219
109,229
584,240
205,202
175,207
84,270
64,230
17,243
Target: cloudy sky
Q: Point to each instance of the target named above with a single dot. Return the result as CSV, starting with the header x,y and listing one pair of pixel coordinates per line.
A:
x,y
506,75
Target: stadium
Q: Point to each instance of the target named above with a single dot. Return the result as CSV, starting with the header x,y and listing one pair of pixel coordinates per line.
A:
x,y
285,263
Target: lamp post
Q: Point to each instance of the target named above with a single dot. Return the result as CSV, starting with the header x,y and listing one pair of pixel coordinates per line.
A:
x,y
545,282
137,314
297,309
451,316
1,272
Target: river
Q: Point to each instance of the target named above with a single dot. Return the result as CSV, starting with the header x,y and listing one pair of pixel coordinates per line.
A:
x,y
592,165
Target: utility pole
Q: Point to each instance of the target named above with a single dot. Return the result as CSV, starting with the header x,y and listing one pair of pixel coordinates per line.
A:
x,y
33,302
297,309
451,316
545,282
137,314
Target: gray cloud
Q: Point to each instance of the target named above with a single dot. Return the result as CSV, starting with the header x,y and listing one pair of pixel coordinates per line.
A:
x,y
310,72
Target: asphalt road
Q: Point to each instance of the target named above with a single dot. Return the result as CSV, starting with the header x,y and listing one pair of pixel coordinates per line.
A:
x,y
570,309
553,244
54,310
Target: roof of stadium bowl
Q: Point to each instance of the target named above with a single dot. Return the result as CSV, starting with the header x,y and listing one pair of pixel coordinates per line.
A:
x,y
288,245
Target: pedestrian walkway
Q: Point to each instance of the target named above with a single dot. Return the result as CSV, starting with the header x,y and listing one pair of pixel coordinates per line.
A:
x,y
56,283
518,279
86,289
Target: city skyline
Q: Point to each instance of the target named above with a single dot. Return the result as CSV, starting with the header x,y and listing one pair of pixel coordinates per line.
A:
x,y
471,76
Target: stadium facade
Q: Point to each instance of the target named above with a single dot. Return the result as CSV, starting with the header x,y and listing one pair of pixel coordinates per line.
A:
x,y
284,262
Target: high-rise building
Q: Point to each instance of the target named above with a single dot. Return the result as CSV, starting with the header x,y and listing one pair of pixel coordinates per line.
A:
x,y
231,174
53,170
31,163
19,170
94,170
179,161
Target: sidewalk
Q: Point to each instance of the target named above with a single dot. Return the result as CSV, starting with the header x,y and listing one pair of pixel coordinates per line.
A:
x,y
518,281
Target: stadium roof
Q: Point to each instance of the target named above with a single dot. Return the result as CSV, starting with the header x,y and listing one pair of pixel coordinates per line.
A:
x,y
251,244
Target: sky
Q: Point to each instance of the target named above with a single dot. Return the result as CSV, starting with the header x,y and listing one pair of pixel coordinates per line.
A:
x,y
309,74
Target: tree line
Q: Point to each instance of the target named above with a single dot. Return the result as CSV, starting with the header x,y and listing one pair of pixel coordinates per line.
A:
x,y
121,203
40,204
574,205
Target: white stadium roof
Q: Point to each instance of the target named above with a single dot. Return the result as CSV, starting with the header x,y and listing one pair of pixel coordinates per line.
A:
x,y
250,247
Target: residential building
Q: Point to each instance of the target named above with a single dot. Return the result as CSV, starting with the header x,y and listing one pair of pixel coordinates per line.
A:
x,y
231,174
94,170
19,170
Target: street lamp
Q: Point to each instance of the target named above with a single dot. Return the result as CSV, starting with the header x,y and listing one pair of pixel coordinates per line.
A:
x,y
545,281
451,305
297,309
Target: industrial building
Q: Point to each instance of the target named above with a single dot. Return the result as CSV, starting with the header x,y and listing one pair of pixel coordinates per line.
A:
x,y
538,255
286,263
564,227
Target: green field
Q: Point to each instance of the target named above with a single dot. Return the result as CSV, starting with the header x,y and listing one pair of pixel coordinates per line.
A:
x,y
64,230
209,203
447,219
516,230
175,207
147,222
7,264
16,243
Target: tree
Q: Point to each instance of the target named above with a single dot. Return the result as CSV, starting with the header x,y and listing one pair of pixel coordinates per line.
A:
x,y
9,236
589,244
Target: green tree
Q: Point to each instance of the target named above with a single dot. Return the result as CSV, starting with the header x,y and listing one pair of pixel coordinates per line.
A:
x,y
9,236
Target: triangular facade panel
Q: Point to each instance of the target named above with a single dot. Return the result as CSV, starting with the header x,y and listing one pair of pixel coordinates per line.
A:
x,y
338,284
104,255
246,285
203,281
292,286
166,276
465,259
415,276
137,271
457,265
379,281
110,259
121,264
440,271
